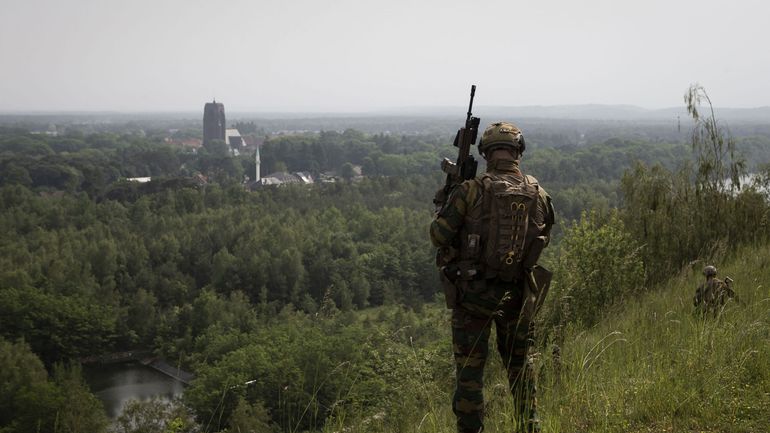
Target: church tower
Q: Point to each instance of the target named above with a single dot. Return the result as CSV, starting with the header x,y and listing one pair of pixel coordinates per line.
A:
x,y
213,122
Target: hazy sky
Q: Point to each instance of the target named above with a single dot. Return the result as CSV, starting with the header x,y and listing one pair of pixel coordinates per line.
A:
x,y
358,55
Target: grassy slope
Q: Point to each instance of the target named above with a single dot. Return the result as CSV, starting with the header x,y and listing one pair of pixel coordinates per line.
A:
x,y
650,366
653,366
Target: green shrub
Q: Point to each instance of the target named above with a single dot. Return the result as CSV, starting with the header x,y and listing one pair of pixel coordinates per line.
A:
x,y
599,265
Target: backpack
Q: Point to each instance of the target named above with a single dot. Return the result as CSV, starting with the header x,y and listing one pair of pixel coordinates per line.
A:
x,y
502,230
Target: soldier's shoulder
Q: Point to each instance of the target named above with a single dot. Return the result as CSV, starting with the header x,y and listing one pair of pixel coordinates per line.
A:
x,y
465,190
471,189
714,284
474,184
532,180
543,193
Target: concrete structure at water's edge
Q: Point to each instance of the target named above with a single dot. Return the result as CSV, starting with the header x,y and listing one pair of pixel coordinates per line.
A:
x,y
145,357
213,122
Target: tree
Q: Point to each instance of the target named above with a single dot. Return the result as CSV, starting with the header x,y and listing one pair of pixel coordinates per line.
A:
x,y
155,416
718,166
30,402
20,371
217,148
688,213
280,167
79,411
251,418
719,170
347,171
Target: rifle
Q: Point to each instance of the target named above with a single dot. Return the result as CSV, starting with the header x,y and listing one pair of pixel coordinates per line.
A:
x,y
465,166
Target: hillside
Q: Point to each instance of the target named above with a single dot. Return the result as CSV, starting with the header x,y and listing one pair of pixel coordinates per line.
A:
x,y
650,366
655,366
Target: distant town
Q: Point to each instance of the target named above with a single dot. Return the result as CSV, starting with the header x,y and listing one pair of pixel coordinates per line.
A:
x,y
215,131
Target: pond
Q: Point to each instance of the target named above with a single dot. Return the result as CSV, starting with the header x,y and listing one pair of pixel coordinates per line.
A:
x,y
116,384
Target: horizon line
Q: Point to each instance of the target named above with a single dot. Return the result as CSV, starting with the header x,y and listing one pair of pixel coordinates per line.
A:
x,y
388,111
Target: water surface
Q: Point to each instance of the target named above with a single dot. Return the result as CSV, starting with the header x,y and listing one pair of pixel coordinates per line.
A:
x,y
116,384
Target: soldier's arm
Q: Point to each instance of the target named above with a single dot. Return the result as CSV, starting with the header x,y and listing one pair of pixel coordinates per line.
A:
x,y
697,297
545,213
449,219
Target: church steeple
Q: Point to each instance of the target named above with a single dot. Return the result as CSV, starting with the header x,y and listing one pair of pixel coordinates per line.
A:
x,y
213,122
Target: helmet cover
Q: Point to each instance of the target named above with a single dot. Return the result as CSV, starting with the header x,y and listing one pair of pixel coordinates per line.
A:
x,y
501,134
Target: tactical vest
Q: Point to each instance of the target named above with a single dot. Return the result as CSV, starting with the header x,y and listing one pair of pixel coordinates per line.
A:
x,y
500,227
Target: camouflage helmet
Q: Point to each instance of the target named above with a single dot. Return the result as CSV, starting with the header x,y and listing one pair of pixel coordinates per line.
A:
x,y
501,134
710,271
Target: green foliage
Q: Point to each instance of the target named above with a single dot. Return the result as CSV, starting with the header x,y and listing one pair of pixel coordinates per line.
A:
x,y
249,417
347,171
217,148
78,410
56,326
29,401
718,166
155,416
689,213
77,164
606,161
649,364
20,372
599,266
109,268
299,371
654,365
278,285
379,155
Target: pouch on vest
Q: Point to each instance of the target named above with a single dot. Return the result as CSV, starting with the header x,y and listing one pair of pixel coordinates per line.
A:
x,y
511,229
457,277
450,289
536,286
534,250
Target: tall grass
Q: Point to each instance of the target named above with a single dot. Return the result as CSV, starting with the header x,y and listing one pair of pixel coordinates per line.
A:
x,y
654,365
651,365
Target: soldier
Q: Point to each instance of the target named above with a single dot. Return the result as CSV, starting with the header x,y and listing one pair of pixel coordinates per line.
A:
x,y
490,233
712,293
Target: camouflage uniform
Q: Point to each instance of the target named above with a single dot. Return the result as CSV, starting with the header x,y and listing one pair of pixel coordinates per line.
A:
x,y
485,300
711,295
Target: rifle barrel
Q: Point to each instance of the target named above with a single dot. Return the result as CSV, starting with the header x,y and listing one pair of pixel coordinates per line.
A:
x,y
470,106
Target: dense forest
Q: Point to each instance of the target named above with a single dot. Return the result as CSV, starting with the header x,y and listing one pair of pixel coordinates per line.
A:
x,y
325,294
